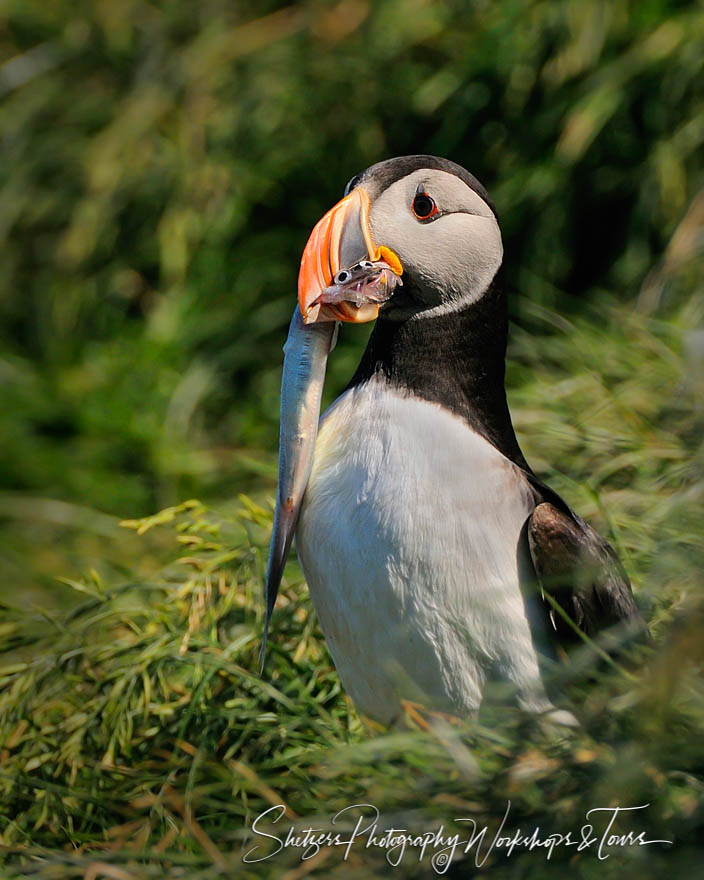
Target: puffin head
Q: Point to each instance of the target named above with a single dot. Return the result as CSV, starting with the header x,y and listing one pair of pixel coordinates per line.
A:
x,y
429,219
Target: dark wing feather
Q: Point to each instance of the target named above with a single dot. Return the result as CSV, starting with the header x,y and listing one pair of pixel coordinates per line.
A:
x,y
583,574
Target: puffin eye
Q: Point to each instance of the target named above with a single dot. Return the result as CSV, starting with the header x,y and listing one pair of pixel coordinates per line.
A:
x,y
423,206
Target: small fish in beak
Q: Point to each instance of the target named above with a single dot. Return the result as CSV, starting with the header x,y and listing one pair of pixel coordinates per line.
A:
x,y
365,283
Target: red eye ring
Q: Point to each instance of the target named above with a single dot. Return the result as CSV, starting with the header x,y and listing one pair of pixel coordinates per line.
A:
x,y
423,206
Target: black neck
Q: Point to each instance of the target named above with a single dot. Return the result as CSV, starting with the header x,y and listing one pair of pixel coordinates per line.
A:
x,y
456,360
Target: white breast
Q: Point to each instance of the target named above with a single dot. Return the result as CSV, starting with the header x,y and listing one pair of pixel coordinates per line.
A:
x,y
409,537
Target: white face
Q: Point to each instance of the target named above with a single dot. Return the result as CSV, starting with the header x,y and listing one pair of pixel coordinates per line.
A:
x,y
450,257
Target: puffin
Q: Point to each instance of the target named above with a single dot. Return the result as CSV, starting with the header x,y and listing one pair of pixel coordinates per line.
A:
x,y
436,559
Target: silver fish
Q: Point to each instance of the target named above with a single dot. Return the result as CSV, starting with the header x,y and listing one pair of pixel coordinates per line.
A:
x,y
366,282
305,359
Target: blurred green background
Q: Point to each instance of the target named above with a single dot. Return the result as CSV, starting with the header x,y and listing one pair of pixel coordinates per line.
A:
x,y
164,162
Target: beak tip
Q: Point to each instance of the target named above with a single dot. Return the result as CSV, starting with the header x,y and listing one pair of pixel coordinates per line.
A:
x,y
310,314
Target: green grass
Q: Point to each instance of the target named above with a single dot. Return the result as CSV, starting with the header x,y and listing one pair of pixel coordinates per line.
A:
x,y
137,739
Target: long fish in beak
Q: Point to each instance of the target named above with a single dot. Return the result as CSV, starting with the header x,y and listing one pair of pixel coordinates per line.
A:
x,y
327,293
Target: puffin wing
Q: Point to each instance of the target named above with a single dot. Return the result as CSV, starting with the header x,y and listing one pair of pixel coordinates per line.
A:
x,y
581,573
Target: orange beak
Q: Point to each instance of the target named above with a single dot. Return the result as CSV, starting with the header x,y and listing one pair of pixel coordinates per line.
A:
x,y
339,240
